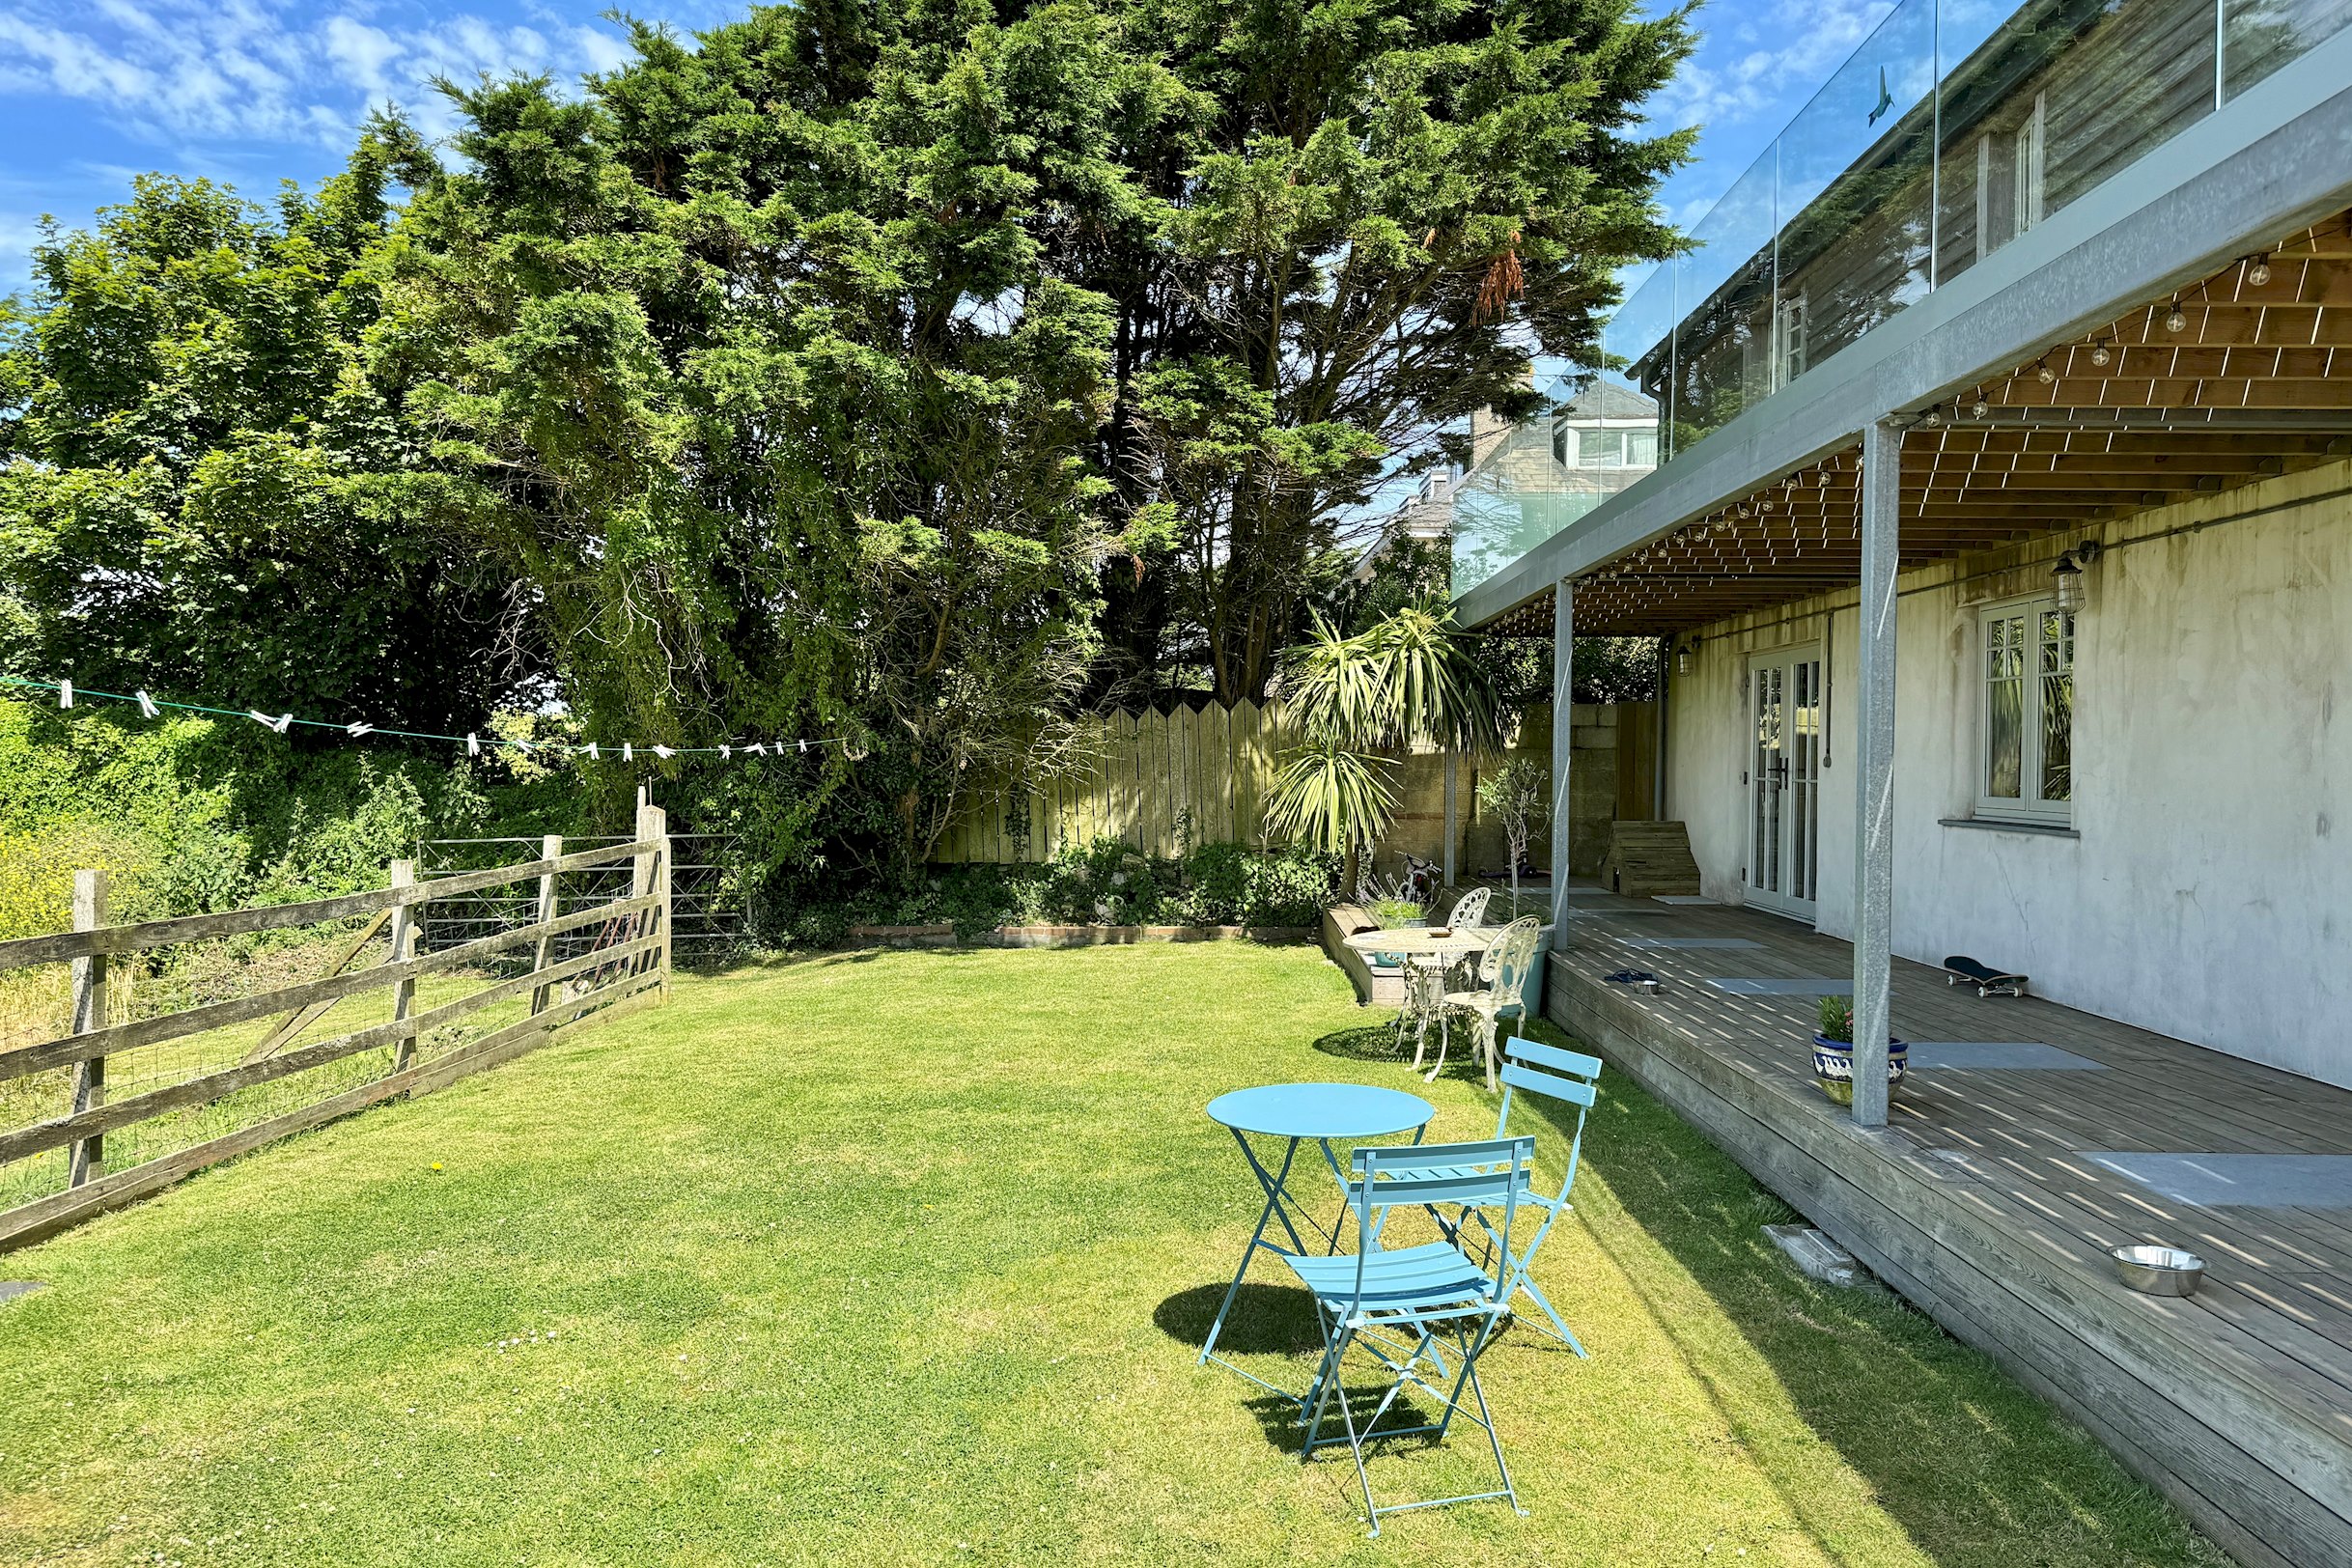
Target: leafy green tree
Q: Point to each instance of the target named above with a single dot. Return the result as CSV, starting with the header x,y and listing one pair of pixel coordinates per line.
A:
x,y
1518,795
755,364
203,490
1369,216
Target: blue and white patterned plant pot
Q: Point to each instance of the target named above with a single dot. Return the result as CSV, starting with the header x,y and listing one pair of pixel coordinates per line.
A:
x,y
1834,1067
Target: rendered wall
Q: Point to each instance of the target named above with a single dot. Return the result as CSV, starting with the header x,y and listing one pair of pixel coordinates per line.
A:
x,y
2208,893
1597,783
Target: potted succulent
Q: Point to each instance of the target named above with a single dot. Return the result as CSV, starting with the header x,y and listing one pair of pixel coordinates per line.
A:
x,y
1834,1053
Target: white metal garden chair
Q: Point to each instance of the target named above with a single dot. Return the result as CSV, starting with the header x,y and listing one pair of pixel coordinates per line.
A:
x,y
1503,983
1469,909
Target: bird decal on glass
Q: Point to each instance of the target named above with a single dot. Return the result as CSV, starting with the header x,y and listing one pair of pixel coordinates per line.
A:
x,y
1886,98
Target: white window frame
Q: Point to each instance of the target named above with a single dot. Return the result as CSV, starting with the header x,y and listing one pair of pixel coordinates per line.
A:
x,y
2027,805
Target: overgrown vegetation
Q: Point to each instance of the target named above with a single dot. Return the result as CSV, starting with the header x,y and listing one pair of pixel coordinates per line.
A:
x,y
905,373
1104,882
189,815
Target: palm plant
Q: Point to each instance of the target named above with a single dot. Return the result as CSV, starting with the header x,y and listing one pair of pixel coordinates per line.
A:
x,y
1357,702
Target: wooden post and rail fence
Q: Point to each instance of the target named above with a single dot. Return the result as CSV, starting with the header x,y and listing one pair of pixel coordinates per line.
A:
x,y
629,965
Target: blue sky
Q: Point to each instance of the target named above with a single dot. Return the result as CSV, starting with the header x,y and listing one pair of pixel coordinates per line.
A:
x,y
251,92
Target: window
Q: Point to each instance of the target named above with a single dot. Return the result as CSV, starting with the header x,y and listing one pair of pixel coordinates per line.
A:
x,y
1612,448
2029,713
1792,338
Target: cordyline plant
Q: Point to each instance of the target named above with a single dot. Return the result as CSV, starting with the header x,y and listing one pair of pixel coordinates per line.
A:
x,y
1360,701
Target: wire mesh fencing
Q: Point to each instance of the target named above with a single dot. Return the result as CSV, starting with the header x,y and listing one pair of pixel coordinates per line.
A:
x,y
712,911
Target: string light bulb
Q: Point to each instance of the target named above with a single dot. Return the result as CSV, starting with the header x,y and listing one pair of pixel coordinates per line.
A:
x,y
2175,319
2100,354
2043,374
1979,408
2260,273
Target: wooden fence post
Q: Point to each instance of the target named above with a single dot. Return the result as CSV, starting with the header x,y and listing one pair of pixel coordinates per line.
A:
x,y
650,874
551,847
86,1158
661,821
403,948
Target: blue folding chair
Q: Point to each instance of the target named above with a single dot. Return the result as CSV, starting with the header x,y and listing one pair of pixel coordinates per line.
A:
x,y
1538,1069
1399,1304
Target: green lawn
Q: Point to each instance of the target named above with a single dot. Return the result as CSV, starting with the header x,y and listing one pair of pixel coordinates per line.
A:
x,y
905,1258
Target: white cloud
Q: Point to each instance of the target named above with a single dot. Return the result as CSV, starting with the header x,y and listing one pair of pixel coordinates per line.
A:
x,y
1767,64
176,70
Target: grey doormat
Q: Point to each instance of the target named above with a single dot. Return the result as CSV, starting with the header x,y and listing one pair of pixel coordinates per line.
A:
x,y
1804,984
2000,1055
10,1289
2252,1181
1681,898
1686,943
1614,910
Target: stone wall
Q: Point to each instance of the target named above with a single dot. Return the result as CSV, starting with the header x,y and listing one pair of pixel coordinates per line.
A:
x,y
1602,785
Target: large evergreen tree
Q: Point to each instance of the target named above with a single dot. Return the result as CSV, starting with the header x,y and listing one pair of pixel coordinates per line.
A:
x,y
758,362
1368,217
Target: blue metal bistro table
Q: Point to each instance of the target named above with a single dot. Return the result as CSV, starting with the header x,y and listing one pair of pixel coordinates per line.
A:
x,y
1297,1113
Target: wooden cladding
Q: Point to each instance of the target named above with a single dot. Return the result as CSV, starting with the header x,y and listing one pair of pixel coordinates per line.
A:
x,y
2242,376
1151,779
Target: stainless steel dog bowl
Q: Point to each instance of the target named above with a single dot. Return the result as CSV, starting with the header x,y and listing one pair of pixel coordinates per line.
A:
x,y
2159,1270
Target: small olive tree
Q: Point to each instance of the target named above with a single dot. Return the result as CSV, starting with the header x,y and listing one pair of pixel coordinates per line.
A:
x,y
1518,795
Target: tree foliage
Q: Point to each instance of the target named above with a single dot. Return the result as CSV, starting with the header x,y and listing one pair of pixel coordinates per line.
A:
x,y
1356,701
919,372
206,488
756,360
1372,214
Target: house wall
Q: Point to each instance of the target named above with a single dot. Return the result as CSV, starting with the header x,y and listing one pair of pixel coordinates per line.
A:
x,y
2208,891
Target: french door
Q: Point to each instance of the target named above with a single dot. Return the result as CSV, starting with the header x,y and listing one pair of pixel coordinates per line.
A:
x,y
1782,779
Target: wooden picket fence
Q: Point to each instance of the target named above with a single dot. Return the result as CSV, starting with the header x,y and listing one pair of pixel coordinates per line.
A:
x,y
1147,778
204,1091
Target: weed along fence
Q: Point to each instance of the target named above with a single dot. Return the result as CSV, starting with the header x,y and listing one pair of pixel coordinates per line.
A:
x,y
155,1067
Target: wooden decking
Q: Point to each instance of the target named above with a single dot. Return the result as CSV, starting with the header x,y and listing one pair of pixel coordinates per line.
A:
x,y
1978,1204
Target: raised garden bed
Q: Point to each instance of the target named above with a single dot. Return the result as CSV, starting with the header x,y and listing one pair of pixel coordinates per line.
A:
x,y
1074,935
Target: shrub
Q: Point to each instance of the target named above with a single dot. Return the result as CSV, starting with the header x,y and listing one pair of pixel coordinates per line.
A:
x,y
37,867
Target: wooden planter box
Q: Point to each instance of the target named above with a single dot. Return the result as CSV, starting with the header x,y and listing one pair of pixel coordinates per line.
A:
x,y
1122,935
1089,935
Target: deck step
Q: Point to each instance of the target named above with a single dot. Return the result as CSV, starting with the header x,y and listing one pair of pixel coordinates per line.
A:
x,y
1648,858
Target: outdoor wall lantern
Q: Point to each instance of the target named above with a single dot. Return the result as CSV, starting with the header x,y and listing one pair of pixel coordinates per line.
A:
x,y
2066,578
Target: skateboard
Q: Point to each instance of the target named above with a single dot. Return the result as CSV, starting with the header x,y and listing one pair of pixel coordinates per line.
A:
x,y
1959,970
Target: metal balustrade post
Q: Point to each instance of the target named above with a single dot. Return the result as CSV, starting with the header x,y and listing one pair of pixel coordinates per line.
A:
x,y
1563,730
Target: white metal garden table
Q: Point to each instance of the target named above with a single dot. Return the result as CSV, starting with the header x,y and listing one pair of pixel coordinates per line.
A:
x,y
1427,955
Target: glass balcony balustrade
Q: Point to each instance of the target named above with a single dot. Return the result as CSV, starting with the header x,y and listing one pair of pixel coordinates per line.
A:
x,y
1958,126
